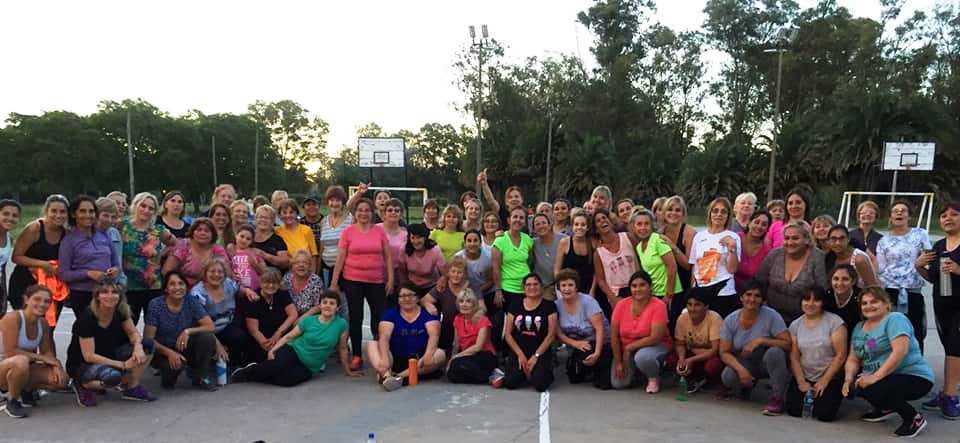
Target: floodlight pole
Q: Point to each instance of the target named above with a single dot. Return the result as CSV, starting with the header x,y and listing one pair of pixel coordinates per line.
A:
x,y
256,161
479,45
130,153
776,130
213,152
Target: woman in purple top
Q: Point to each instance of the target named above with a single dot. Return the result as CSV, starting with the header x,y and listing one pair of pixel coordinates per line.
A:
x,y
87,255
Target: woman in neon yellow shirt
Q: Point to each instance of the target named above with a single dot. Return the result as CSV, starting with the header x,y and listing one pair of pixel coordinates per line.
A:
x,y
450,236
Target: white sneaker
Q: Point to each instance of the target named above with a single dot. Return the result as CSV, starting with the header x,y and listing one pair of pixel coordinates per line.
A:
x,y
392,383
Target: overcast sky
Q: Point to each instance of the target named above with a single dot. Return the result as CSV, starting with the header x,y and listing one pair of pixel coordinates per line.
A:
x,y
349,62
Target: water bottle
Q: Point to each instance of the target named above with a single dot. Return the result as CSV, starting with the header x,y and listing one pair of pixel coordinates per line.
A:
x,y
902,301
682,389
946,285
413,368
808,404
221,372
371,438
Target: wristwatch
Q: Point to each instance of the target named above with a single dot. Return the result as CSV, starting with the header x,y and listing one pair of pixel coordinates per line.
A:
x,y
537,355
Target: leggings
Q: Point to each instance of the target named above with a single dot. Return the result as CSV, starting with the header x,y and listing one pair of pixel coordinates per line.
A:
x,y
201,348
894,391
825,406
763,362
108,375
474,369
916,312
375,294
235,338
599,372
285,369
138,301
646,360
541,377
947,315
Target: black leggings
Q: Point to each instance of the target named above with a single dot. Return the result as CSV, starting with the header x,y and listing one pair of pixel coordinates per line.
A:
x,y
375,294
894,391
578,372
79,302
916,312
237,341
201,349
473,369
139,301
285,369
540,378
825,406
947,315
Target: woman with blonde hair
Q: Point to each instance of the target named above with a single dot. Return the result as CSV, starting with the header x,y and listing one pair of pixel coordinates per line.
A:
x,y
268,245
743,208
101,357
715,256
472,210
449,236
679,235
143,240
864,236
820,229
472,357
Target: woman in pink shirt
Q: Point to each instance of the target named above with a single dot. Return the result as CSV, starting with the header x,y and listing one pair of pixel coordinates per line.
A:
x,y
639,336
614,260
754,247
363,254
397,237
421,262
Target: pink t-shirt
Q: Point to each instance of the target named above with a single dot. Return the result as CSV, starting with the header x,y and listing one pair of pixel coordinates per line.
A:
x,y
191,267
244,269
749,264
634,328
423,270
467,331
619,266
365,261
397,242
775,234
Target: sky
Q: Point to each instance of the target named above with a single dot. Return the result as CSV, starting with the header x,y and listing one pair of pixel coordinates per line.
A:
x,y
348,62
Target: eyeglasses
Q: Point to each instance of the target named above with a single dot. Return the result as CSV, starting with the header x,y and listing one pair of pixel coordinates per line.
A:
x,y
397,210
837,239
407,295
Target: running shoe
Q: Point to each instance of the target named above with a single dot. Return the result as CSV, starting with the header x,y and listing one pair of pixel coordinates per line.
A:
x,y
934,403
653,385
86,398
392,383
15,409
950,407
912,428
696,386
241,374
496,378
774,406
138,393
877,416
356,363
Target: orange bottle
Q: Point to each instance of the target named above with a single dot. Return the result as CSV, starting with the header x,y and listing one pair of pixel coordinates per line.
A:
x,y
412,371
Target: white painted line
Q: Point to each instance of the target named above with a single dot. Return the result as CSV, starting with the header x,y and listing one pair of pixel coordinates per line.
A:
x,y
545,417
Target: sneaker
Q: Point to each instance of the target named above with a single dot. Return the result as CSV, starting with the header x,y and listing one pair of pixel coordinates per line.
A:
x,y
205,384
241,374
496,378
392,383
138,393
15,409
29,398
912,428
934,403
85,397
356,363
653,385
774,407
877,416
168,381
696,386
950,408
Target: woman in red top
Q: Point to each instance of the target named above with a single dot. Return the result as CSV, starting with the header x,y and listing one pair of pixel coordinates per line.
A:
x,y
363,254
473,359
639,336
755,247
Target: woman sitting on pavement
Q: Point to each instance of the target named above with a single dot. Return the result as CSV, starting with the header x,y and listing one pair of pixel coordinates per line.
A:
x,y
28,363
885,365
303,352
529,330
639,335
584,328
218,294
269,318
818,349
444,303
408,332
754,343
472,358
182,333
107,348
697,344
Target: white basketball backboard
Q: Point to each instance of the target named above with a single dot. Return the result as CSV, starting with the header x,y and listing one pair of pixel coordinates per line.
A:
x,y
908,156
377,152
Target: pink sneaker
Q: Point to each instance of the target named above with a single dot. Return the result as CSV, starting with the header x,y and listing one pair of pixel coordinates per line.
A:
x,y
653,386
774,406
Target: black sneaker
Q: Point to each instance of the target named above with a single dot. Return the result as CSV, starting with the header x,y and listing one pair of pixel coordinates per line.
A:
x,y
696,386
29,398
912,428
205,384
241,374
877,416
15,409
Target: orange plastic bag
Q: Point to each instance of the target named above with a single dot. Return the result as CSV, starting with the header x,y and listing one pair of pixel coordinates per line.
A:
x,y
58,288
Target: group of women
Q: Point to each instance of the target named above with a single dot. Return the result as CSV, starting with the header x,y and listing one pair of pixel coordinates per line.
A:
x,y
629,293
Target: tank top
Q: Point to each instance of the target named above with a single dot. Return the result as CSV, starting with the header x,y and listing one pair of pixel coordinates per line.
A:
x,y
583,264
682,274
23,342
618,267
21,277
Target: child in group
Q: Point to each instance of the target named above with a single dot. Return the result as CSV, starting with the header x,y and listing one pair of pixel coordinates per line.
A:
x,y
778,211
246,263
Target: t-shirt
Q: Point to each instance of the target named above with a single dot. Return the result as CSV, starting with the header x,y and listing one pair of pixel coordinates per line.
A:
x,y
531,326
221,313
749,264
869,243
651,260
170,324
709,259
141,256
543,258
698,337
479,271
190,266
468,330
895,257
514,262
577,325
330,237
873,348
769,324
816,347
244,268
272,245
298,239
423,270
106,341
449,242
409,339
634,328
317,340
269,315
365,262
774,237
178,233
398,242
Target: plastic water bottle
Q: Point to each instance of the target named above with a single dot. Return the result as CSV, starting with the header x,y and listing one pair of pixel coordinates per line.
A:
x,y
902,301
946,285
682,389
808,404
371,438
221,372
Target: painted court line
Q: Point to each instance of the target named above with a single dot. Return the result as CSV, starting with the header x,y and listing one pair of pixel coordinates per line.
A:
x,y
545,417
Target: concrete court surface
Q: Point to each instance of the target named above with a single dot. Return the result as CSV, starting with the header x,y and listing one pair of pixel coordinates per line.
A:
x,y
334,408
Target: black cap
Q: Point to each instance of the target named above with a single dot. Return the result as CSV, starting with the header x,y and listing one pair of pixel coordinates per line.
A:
x,y
311,198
